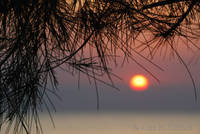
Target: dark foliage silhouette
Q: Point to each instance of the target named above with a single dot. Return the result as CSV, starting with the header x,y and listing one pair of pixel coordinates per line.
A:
x,y
38,36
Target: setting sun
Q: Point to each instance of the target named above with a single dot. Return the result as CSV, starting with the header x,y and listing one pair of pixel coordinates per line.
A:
x,y
139,83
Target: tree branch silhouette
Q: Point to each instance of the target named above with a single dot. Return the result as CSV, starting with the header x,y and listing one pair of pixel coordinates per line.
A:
x,y
39,36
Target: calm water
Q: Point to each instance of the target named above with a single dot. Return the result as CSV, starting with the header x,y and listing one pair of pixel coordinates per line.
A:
x,y
123,123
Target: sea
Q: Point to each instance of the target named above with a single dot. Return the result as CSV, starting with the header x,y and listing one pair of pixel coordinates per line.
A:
x,y
121,122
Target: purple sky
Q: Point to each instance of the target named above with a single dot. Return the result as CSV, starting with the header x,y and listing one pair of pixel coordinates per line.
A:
x,y
175,90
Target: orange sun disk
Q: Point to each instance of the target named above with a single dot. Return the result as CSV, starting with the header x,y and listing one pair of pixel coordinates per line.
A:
x,y
139,83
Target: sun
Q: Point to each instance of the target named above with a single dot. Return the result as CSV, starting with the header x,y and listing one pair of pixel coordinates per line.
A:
x,y
139,83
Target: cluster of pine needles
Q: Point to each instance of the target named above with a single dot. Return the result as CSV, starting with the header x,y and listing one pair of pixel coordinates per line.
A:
x,y
38,36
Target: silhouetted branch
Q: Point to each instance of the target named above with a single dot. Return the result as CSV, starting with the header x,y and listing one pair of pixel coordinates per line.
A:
x,y
38,36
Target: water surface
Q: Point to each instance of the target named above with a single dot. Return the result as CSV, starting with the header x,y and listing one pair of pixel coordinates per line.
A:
x,y
139,122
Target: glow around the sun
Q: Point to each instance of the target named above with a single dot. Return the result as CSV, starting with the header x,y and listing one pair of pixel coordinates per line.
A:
x,y
139,83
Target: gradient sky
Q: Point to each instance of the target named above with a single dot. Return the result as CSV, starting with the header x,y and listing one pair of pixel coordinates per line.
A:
x,y
175,90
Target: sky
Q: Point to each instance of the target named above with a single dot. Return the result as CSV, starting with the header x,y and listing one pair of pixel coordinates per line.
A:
x,y
174,91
